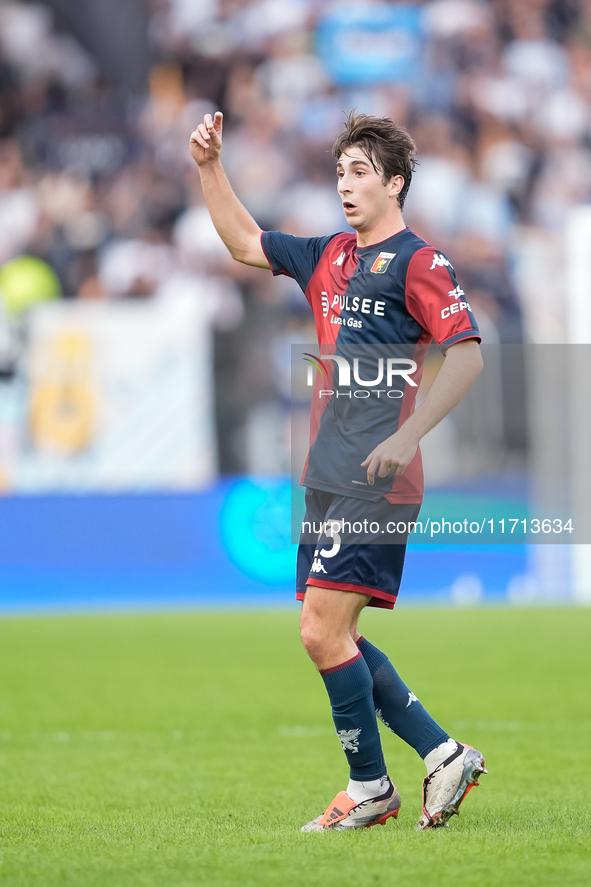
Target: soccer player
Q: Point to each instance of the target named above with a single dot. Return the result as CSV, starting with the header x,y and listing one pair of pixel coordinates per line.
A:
x,y
380,285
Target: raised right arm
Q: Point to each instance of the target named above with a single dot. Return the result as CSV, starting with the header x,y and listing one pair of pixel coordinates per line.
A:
x,y
233,222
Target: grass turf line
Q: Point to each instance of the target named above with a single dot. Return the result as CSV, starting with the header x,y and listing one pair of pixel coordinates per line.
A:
x,y
184,749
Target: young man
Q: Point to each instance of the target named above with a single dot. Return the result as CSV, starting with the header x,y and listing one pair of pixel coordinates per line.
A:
x,y
380,286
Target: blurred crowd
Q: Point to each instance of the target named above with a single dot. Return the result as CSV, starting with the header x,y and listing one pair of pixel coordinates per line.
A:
x,y
99,183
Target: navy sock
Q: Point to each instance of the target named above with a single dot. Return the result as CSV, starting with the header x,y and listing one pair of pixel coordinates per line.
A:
x,y
397,707
349,687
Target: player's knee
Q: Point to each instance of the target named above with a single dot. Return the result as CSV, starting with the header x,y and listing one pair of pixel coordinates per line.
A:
x,y
311,639
313,635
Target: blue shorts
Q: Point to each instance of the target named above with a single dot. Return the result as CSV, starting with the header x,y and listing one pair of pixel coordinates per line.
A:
x,y
353,545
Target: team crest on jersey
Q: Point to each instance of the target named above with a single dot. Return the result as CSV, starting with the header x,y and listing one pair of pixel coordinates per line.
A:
x,y
382,262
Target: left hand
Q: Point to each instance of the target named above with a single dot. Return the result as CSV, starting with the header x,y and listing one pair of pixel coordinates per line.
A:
x,y
393,455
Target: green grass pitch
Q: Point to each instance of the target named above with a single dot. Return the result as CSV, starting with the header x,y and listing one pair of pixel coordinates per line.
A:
x,y
188,748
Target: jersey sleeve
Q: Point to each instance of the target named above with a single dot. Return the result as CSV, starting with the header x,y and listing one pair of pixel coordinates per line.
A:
x,y
296,257
436,301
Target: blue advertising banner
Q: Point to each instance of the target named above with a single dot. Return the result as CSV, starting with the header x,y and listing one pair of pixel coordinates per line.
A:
x,y
227,546
371,44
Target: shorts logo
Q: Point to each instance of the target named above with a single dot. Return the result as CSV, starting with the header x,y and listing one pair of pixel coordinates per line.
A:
x,y
317,566
382,262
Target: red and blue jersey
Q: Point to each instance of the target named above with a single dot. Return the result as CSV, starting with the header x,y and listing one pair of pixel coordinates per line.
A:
x,y
400,293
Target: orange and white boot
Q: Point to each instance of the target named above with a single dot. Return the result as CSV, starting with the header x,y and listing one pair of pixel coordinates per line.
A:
x,y
344,812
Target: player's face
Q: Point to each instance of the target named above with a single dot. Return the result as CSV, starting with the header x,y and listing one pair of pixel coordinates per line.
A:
x,y
366,199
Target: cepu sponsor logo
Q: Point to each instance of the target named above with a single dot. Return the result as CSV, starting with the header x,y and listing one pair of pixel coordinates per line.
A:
x,y
454,308
457,293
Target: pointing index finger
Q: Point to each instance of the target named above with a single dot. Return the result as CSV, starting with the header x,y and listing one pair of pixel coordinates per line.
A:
x,y
372,470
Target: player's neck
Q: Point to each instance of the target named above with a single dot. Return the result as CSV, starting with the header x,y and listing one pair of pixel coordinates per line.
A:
x,y
386,227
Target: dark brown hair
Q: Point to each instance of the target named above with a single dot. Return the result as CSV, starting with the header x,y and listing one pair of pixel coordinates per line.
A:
x,y
386,144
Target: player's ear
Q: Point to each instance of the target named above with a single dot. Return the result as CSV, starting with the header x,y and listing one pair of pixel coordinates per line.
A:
x,y
395,185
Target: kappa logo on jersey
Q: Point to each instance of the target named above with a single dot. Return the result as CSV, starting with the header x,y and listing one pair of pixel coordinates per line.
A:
x,y
340,260
457,293
382,262
441,261
325,302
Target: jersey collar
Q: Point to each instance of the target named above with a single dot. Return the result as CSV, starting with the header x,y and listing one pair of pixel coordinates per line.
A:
x,y
362,249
